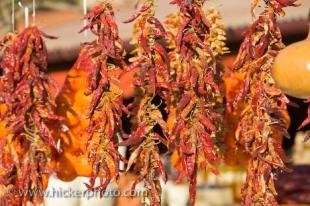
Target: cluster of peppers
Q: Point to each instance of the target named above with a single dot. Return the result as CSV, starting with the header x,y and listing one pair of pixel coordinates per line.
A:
x,y
262,114
106,106
152,79
27,113
185,75
195,43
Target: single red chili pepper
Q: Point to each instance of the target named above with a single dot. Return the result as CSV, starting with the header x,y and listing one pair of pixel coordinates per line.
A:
x,y
285,3
306,121
186,98
153,20
206,122
139,11
160,49
93,79
208,147
136,137
180,34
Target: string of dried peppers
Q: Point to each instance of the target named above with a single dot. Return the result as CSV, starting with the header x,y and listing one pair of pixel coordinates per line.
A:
x,y
92,103
153,79
196,41
263,118
28,111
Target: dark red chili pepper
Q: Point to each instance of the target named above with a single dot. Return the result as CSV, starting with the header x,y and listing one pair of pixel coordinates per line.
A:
x,y
186,98
206,122
208,147
285,3
192,189
160,49
136,137
306,121
93,79
157,24
180,34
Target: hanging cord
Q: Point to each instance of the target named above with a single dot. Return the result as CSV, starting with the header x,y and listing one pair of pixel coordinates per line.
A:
x,y
13,16
84,13
308,37
33,12
26,13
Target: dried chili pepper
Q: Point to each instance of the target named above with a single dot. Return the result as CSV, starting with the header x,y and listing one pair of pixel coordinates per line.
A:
x,y
195,39
263,119
28,97
307,120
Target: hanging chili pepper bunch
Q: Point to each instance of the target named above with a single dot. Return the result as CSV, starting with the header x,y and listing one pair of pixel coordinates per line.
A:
x,y
196,41
28,112
106,54
152,79
263,119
